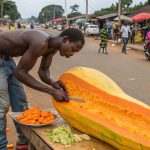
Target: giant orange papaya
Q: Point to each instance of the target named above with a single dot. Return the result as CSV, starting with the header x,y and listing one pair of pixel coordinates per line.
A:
x,y
109,114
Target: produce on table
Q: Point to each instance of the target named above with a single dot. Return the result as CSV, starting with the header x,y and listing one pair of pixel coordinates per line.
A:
x,y
36,116
7,130
109,113
10,146
64,135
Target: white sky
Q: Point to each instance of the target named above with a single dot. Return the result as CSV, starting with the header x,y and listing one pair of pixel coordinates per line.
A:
x,y
33,7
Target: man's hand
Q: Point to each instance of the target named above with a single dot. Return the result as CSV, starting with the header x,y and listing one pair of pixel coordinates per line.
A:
x,y
60,95
59,85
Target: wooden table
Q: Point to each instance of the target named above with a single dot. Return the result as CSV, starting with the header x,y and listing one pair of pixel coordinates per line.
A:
x,y
38,139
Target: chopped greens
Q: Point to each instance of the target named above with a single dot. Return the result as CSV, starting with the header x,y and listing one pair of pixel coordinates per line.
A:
x,y
63,135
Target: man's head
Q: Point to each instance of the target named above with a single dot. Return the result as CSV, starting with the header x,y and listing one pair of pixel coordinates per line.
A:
x,y
125,23
105,26
72,42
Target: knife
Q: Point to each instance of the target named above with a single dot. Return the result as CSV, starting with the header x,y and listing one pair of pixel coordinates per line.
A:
x,y
76,99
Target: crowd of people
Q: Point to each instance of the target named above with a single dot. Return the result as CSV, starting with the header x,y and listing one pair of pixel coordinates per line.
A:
x,y
123,32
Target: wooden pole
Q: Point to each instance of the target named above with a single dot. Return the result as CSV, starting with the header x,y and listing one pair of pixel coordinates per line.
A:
x,y
66,13
119,11
2,9
86,10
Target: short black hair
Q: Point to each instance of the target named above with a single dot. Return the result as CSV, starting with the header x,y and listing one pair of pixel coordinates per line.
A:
x,y
74,35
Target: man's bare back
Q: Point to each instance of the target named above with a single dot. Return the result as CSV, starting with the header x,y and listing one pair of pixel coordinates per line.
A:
x,y
17,42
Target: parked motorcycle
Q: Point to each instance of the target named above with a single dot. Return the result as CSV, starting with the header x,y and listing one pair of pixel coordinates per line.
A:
x,y
147,51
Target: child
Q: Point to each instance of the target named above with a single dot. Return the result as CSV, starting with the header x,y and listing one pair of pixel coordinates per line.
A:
x,y
104,39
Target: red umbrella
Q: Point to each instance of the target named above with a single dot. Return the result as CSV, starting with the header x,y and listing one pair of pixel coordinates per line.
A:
x,y
141,17
57,19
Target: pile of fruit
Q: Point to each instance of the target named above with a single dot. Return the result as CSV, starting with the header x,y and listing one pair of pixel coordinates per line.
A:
x,y
35,116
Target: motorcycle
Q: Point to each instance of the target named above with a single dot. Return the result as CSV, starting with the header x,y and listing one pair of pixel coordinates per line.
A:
x,y
147,51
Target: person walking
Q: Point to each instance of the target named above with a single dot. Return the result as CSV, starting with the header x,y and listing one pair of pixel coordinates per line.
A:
x,y
125,34
30,45
31,25
132,37
104,34
19,25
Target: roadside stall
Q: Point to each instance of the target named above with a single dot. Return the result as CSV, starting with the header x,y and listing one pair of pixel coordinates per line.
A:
x,y
39,140
58,23
99,111
141,17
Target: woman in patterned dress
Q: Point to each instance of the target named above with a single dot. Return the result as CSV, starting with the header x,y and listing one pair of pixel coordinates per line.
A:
x,y
104,39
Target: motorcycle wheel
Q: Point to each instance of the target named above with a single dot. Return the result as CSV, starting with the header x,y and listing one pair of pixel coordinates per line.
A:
x,y
147,57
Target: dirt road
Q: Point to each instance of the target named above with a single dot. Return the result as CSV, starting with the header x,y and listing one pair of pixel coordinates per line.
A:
x,y
130,71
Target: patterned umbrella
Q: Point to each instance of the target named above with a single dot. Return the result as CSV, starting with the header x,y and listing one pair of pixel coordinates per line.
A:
x,y
141,17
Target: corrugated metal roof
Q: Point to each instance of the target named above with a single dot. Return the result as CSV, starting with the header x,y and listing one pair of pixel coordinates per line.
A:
x,y
77,17
145,9
107,16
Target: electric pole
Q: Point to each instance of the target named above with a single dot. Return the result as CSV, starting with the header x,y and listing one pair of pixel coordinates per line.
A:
x,y
66,13
86,10
119,11
54,11
2,9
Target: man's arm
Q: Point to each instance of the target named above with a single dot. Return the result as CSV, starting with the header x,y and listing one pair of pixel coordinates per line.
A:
x,y
26,63
44,72
129,32
121,31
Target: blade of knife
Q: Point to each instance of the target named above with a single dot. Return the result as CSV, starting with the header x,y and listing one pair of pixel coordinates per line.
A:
x,y
76,99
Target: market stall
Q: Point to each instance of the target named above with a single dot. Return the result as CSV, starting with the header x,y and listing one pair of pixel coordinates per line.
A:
x,y
141,17
38,139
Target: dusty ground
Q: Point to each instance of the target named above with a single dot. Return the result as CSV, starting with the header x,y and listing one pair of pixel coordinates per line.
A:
x,y
131,72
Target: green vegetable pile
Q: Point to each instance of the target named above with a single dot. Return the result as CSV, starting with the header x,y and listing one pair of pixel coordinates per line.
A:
x,y
63,135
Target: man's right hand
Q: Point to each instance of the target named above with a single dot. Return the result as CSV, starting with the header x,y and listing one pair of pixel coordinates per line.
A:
x,y
60,95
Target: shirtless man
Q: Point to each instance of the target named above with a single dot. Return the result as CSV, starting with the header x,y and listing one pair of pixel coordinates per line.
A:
x,y
30,44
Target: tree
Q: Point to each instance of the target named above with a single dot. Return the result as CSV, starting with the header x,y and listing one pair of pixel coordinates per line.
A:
x,y
74,14
126,3
50,12
104,11
74,11
74,8
10,9
148,2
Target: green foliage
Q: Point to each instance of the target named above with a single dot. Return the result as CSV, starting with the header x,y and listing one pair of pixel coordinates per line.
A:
x,y
74,11
74,8
50,12
74,14
114,8
104,11
137,7
10,9
126,3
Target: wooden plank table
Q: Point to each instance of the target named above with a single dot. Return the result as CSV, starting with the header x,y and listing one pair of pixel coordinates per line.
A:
x,y
38,139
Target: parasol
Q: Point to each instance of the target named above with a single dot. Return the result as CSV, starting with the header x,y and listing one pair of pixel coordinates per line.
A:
x,y
123,17
80,21
141,17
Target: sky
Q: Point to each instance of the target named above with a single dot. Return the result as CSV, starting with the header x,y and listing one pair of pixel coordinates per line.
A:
x,y
27,8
